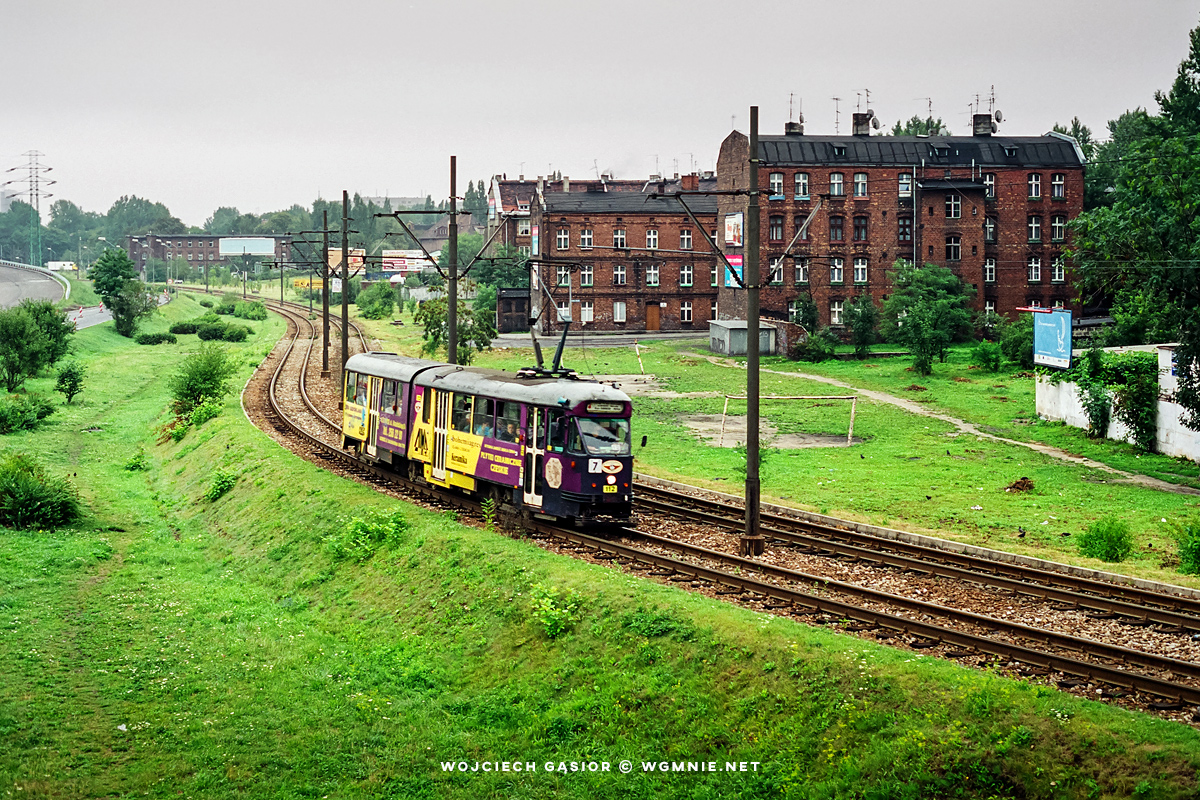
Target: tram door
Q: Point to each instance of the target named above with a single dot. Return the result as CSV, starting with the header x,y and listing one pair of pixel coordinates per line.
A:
x,y
441,420
535,450
373,417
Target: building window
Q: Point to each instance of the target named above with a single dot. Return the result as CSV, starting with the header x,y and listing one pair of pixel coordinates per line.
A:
x,y
1035,269
801,185
989,185
1058,304
802,270
618,274
712,309
714,275
685,274
585,238
585,275
685,311
564,239
837,232
776,185
564,310
860,229
904,229
619,310
524,227
860,184
860,270
776,274
989,270
799,222
836,184
685,239
1033,302
619,237
564,275
1058,185
1058,272
989,230
793,310
1035,185
652,239
522,206
953,248
989,307
587,311
1035,229
835,312
1058,228
953,206
652,274
905,184
775,228
835,270
525,250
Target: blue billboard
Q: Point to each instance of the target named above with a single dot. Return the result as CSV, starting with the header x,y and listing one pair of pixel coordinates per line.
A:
x,y
1052,338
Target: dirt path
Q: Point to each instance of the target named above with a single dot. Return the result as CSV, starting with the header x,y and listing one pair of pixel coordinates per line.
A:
x,y
967,427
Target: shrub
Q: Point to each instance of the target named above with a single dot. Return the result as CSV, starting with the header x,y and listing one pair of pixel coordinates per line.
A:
x,y
30,498
359,537
377,301
1187,543
23,412
138,462
185,327
818,347
70,380
556,614
1108,539
235,333
222,482
1016,341
250,309
988,355
155,338
211,331
204,412
203,375
206,303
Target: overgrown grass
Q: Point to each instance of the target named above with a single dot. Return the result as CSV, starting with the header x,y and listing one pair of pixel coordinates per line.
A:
x,y
173,646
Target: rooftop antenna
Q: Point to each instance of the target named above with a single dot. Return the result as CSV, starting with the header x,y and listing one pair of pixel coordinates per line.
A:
x,y
791,97
596,167
837,115
992,100
733,121
868,93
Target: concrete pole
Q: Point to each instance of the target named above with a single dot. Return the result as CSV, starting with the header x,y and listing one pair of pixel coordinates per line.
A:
x,y
452,247
753,495
345,281
325,276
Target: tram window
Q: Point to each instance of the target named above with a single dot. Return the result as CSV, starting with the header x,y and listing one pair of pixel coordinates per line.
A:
x,y
485,416
556,436
508,421
389,397
351,382
426,402
361,391
574,442
460,417
605,436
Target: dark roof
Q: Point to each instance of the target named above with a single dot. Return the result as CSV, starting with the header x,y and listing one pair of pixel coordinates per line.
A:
x,y
511,293
625,203
984,151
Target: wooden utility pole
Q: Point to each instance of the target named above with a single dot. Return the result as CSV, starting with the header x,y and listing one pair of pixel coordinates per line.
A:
x,y
452,246
345,281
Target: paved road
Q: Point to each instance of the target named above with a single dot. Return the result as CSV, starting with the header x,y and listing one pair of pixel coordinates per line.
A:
x,y
18,284
88,316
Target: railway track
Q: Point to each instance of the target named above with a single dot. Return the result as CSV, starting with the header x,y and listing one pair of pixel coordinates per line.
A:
x,y
1139,677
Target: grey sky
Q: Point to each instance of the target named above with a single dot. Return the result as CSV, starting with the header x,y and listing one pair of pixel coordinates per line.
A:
x,y
264,104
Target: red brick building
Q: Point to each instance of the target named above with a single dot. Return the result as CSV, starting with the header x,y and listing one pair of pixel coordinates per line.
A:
x,y
624,260
994,209
198,249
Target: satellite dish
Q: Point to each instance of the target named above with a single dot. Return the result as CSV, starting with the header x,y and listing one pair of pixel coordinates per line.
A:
x,y
995,127
875,122
800,117
999,116
871,113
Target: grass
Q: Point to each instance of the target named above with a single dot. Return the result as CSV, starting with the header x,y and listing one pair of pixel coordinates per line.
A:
x,y
174,647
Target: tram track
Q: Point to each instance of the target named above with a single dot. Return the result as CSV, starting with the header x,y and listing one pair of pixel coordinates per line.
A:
x,y
1141,678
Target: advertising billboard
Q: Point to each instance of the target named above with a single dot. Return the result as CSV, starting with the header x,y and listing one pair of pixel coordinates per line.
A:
x,y
733,230
735,264
246,246
1052,338
357,256
405,261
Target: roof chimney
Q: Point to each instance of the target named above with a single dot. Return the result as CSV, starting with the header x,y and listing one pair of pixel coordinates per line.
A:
x,y
690,183
566,185
793,129
982,125
862,123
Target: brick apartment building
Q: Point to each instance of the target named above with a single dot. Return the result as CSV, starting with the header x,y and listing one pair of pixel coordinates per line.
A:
x,y
198,249
994,209
627,260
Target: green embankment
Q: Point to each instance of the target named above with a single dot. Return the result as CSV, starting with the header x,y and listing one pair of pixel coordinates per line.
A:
x,y
176,647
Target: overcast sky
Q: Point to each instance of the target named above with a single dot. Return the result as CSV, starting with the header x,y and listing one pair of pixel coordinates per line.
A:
x,y
264,104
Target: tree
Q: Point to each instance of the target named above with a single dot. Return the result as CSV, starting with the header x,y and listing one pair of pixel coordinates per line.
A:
x,y
1080,133
22,347
377,301
131,215
130,305
110,272
203,375
806,313
862,317
506,269
56,329
921,127
1180,107
927,311
485,301
70,380
475,331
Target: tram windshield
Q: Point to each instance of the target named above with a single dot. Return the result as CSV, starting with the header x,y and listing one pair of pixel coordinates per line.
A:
x,y
603,437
